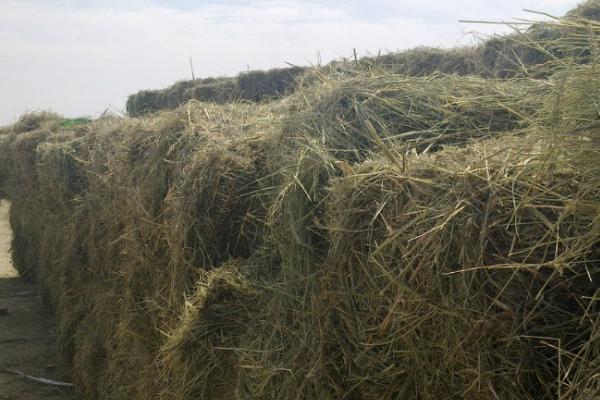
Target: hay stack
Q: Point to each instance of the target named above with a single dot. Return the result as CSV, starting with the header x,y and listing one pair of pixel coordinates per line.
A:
x,y
353,116
536,51
370,237
574,107
255,86
468,276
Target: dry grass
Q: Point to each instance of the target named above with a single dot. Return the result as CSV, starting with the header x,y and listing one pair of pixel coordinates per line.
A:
x,y
370,237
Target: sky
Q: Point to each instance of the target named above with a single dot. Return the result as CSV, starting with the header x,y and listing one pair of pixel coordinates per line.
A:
x,y
80,58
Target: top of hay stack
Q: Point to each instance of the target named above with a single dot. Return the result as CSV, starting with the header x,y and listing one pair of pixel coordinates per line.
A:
x,y
519,54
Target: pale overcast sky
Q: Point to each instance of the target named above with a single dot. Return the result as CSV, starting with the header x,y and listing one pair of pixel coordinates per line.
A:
x,y
80,57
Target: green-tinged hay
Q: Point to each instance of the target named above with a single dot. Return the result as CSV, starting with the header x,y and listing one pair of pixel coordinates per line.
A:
x,y
220,92
575,105
218,211
293,213
548,47
264,85
36,120
353,116
280,356
528,53
585,373
147,101
59,165
91,356
423,61
200,356
277,352
134,229
219,204
589,9
186,212
23,245
255,86
21,183
5,141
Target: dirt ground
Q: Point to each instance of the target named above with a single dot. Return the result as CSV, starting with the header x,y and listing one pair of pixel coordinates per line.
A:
x,y
27,338
6,269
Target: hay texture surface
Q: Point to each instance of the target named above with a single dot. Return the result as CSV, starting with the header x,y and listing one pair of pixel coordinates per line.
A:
x,y
371,236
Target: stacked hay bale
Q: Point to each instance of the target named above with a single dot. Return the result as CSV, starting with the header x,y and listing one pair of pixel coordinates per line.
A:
x,y
200,357
263,85
443,277
359,114
255,86
424,61
114,225
531,52
221,91
370,237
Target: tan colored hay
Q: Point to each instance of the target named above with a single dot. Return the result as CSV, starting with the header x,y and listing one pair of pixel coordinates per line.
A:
x,y
370,237
454,278
200,355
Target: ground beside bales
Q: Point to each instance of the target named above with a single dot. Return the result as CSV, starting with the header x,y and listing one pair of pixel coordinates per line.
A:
x,y
27,343
6,268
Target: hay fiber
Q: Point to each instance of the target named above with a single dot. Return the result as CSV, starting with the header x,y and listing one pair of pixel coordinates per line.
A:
x,y
371,236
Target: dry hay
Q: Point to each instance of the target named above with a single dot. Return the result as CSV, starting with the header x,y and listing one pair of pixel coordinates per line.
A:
x,y
576,104
423,61
201,354
118,232
471,275
254,86
443,278
535,50
370,237
353,116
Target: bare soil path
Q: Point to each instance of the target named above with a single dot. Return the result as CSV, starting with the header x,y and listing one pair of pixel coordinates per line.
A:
x,y
27,339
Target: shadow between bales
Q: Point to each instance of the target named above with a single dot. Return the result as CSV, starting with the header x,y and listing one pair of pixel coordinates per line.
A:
x,y
27,337
6,267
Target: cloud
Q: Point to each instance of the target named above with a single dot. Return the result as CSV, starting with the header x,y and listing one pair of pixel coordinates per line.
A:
x,y
82,57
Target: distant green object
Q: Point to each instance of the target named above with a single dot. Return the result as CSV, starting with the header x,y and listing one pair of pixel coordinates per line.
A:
x,y
71,122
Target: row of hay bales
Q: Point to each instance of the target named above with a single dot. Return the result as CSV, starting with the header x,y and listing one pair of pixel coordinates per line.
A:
x,y
254,86
499,57
372,236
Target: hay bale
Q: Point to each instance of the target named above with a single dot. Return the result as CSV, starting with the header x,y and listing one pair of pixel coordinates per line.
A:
x,y
200,355
222,91
458,271
36,120
423,61
574,105
353,116
135,230
149,101
589,9
372,236
253,86
262,85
